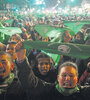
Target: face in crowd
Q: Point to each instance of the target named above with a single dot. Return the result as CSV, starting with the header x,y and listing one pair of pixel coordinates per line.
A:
x,y
10,48
5,65
14,38
67,77
67,37
44,66
78,37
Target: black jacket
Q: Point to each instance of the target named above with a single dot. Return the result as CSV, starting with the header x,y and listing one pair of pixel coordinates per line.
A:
x,y
14,91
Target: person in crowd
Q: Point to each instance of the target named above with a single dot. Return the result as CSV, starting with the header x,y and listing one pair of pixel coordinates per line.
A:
x,y
20,23
66,37
82,63
10,48
15,22
61,24
2,47
10,88
15,37
32,32
79,38
85,77
66,87
24,34
88,38
27,26
43,67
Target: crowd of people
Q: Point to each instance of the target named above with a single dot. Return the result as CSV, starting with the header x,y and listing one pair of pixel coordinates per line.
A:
x,y
32,74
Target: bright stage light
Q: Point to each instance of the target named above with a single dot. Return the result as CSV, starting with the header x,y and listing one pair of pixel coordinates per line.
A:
x,y
58,1
72,0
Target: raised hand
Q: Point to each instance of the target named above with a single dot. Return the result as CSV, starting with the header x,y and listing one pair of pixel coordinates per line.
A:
x,y
21,53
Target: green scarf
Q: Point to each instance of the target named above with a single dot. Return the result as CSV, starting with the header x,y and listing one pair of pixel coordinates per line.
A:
x,y
6,83
67,91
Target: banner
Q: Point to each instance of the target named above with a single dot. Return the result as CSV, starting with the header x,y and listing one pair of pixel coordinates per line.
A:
x,y
68,49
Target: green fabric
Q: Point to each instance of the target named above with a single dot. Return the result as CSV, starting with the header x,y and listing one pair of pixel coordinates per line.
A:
x,y
51,31
58,31
43,29
9,21
1,37
10,30
1,25
68,49
6,83
5,39
55,57
76,25
67,91
57,34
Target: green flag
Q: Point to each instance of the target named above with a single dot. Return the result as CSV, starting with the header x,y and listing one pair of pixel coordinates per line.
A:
x,y
56,33
10,30
76,25
69,49
51,31
55,57
43,29
9,21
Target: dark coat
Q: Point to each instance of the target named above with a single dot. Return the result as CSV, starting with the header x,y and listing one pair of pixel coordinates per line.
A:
x,y
13,92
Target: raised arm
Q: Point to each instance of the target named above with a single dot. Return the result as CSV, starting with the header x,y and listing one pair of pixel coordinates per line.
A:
x,y
28,80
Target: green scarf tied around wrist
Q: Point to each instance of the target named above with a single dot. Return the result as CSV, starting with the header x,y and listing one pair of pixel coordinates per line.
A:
x,y
4,85
67,91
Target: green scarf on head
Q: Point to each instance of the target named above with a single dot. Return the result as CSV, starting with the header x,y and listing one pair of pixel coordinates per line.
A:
x,y
67,91
6,83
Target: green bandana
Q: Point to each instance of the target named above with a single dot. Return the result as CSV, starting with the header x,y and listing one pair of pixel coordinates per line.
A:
x,y
6,83
67,91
